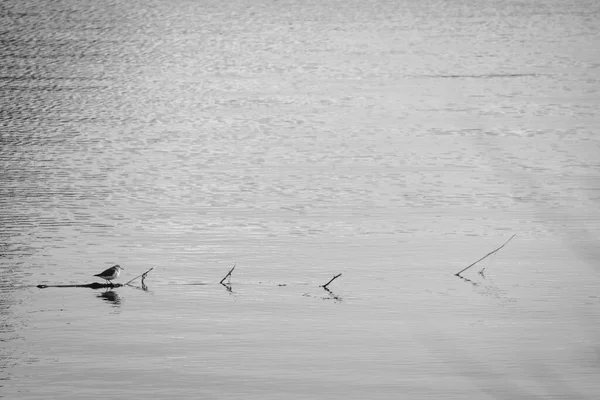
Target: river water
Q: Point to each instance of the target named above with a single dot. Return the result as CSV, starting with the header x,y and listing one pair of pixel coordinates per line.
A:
x,y
394,142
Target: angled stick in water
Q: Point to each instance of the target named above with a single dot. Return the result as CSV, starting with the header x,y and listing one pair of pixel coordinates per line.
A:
x,y
228,274
486,256
142,275
331,280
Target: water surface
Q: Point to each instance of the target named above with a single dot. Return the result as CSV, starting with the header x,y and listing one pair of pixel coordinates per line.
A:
x,y
393,142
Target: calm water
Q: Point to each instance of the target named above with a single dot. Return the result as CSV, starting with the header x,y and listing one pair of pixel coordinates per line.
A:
x,y
395,142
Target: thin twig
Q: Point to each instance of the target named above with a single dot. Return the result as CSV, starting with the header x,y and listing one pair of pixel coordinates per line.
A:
x,y
331,280
228,274
486,256
142,275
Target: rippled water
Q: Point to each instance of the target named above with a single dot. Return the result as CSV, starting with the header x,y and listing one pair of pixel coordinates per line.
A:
x,y
395,142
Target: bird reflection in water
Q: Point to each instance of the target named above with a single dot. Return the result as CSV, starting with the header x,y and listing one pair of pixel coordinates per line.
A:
x,y
111,297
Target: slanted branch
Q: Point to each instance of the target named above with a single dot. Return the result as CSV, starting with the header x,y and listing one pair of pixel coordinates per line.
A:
x,y
331,280
484,257
227,276
142,275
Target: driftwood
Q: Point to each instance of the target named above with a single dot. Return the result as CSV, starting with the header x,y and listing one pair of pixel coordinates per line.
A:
x,y
226,282
484,257
97,285
331,280
142,275
94,285
227,276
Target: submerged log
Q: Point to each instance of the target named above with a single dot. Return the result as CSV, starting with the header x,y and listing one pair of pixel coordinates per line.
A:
x,y
94,285
97,285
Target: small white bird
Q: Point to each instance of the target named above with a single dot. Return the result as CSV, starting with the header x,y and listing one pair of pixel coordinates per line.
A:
x,y
110,274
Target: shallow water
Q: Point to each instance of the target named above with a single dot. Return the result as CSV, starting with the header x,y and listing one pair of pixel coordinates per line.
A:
x,y
393,142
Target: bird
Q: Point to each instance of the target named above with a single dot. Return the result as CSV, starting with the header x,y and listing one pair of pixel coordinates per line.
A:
x,y
110,274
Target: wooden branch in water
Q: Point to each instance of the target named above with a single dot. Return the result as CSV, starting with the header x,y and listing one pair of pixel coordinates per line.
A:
x,y
142,275
331,280
94,285
97,285
228,274
486,256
